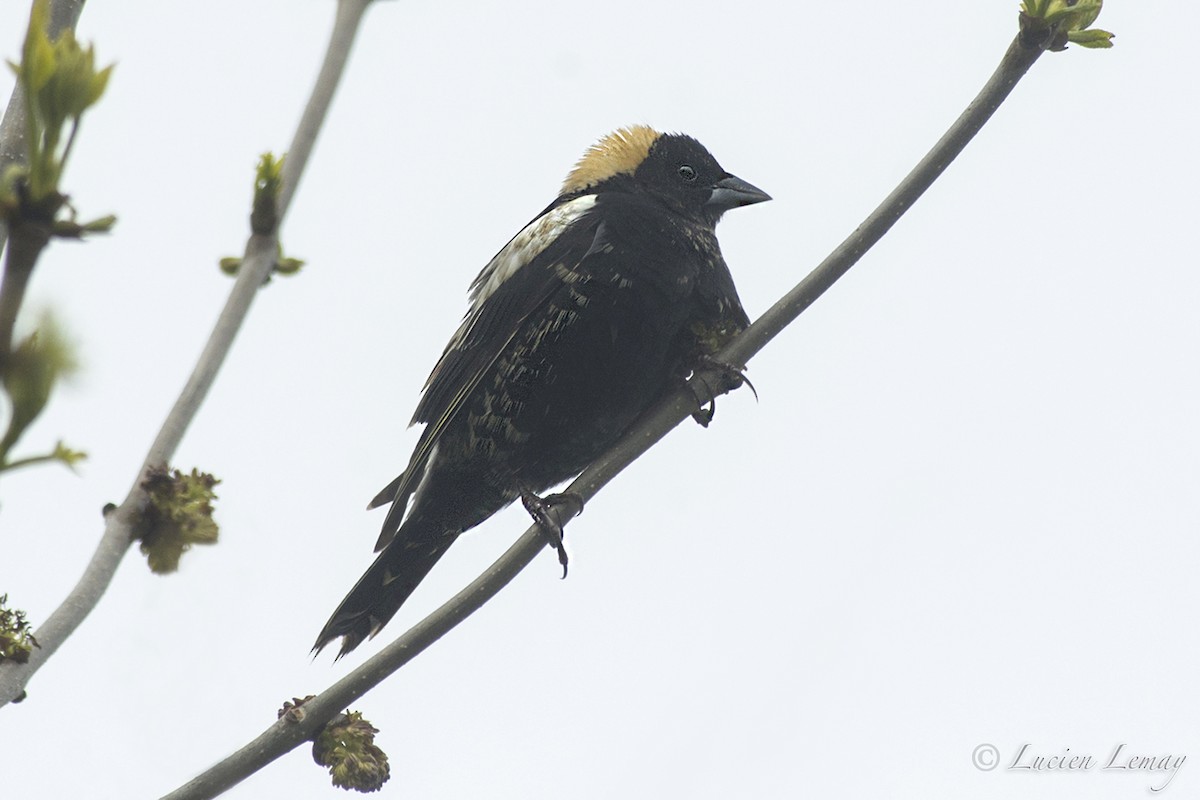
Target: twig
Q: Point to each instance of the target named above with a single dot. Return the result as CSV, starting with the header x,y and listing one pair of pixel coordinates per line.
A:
x,y
29,461
19,260
257,263
1016,62
284,735
64,15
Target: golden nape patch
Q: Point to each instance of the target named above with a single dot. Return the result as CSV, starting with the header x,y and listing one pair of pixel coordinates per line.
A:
x,y
618,153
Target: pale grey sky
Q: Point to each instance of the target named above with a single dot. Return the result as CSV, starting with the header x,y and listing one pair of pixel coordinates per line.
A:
x,y
963,512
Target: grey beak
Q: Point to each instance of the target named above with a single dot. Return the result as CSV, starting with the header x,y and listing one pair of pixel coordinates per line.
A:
x,y
731,192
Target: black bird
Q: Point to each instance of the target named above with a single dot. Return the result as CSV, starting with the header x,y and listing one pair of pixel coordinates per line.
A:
x,y
598,307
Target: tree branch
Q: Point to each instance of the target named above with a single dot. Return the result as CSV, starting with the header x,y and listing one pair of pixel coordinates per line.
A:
x,y
285,735
19,260
256,266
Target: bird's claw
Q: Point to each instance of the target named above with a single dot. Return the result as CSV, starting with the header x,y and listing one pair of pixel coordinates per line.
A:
x,y
731,374
705,413
548,512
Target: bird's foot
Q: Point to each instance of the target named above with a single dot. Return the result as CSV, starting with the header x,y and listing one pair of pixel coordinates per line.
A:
x,y
549,512
731,377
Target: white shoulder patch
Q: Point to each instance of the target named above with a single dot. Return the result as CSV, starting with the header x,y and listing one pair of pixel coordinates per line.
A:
x,y
526,246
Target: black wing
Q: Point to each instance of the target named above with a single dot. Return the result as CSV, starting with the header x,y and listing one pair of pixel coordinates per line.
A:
x,y
496,317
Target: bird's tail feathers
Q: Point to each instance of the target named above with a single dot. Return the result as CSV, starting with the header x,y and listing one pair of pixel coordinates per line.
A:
x,y
379,593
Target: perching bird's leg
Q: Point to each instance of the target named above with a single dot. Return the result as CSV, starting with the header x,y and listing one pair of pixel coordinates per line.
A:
x,y
548,512
732,375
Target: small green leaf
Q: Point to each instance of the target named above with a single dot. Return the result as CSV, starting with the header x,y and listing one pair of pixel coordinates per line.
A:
x,y
29,375
102,225
288,266
70,229
9,179
66,455
37,54
1095,38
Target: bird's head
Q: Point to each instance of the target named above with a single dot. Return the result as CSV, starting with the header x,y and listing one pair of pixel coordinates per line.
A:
x,y
675,169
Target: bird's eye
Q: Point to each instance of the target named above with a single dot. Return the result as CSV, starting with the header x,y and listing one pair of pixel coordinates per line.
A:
x,y
687,173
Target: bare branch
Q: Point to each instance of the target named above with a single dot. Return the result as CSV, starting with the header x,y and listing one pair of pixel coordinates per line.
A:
x,y
285,735
19,261
256,266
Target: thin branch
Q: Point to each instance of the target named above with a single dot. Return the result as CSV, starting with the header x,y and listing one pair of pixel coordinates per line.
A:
x,y
30,461
64,16
19,260
285,735
256,266
1016,62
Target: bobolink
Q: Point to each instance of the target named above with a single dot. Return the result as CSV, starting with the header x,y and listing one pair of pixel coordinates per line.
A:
x,y
597,308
